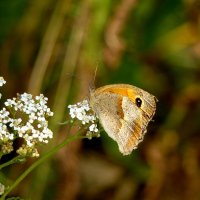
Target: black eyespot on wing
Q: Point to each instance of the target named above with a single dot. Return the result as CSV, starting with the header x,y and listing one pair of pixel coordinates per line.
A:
x,y
138,102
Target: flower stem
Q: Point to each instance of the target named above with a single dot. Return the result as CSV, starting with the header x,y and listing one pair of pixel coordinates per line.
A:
x,y
41,160
10,162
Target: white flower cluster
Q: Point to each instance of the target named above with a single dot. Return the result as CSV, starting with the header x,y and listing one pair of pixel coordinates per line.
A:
x,y
82,111
25,117
31,123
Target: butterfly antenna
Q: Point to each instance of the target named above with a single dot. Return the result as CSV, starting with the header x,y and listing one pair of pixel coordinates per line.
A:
x,y
95,73
92,86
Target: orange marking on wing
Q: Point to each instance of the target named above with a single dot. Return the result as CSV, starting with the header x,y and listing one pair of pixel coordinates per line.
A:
x,y
132,95
135,137
123,91
120,111
120,91
132,142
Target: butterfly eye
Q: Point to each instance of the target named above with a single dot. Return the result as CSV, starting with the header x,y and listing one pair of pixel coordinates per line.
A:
x,y
138,102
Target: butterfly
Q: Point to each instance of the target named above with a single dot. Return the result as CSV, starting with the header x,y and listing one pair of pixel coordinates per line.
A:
x,y
124,112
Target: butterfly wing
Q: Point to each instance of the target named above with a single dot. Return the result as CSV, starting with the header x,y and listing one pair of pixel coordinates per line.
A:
x,y
120,116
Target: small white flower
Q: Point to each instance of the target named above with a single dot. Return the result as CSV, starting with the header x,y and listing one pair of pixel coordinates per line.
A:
x,y
4,121
2,81
2,188
93,128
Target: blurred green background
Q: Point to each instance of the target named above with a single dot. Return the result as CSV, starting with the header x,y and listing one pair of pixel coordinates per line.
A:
x,y
54,47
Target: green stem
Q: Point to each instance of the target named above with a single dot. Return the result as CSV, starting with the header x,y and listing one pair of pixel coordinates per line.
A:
x,y
10,162
41,160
